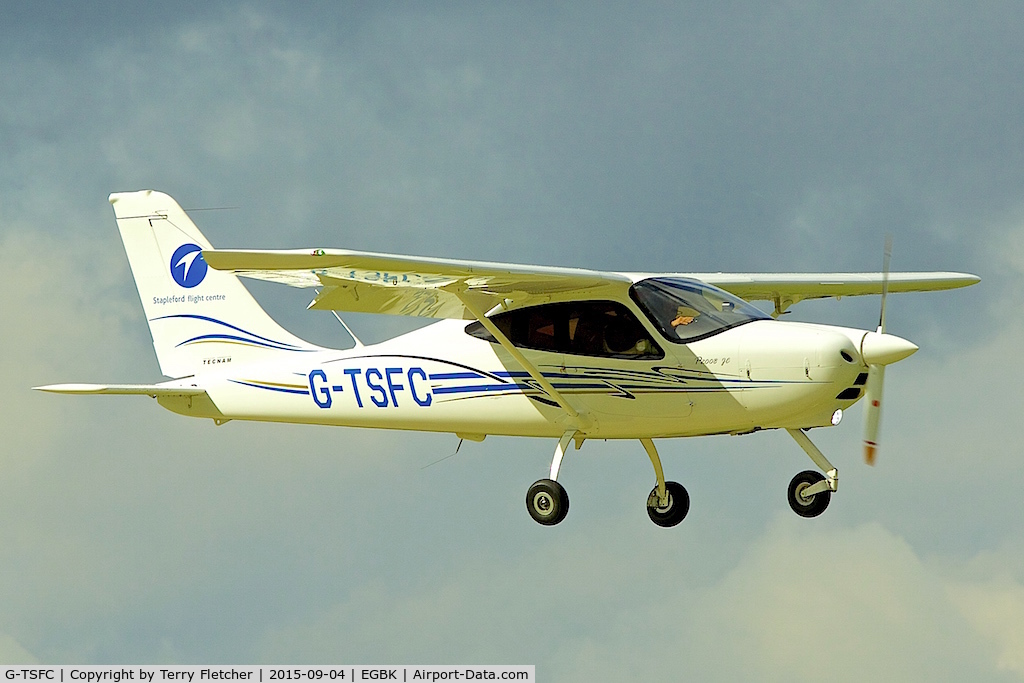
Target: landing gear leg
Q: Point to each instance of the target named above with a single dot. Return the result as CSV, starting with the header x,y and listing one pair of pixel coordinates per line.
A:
x,y
810,492
546,501
669,502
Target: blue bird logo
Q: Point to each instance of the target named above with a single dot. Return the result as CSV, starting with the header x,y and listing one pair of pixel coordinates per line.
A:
x,y
188,267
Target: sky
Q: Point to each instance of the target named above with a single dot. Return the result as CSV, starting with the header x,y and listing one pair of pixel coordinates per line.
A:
x,y
689,136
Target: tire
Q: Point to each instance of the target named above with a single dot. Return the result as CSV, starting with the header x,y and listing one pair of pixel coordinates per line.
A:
x,y
808,507
675,511
547,502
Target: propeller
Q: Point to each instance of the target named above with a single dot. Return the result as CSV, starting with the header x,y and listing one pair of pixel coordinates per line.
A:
x,y
879,349
876,371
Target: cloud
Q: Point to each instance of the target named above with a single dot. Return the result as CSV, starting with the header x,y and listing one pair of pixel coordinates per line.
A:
x,y
60,317
995,609
801,602
857,603
11,652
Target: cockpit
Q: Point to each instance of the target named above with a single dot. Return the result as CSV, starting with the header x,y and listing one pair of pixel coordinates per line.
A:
x,y
688,310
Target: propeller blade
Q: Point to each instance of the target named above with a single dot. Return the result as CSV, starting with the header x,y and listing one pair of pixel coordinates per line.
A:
x,y
872,411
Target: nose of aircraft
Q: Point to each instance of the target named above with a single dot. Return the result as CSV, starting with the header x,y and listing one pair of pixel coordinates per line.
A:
x,y
882,349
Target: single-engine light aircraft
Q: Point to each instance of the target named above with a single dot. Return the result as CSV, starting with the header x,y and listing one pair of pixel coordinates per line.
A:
x,y
537,351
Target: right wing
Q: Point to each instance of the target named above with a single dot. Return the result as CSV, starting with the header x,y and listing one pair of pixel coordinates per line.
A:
x,y
786,289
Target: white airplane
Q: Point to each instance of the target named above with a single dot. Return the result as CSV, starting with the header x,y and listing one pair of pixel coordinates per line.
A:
x,y
564,353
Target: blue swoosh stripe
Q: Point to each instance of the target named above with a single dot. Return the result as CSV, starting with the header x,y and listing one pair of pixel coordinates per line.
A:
x,y
480,388
230,337
282,345
284,390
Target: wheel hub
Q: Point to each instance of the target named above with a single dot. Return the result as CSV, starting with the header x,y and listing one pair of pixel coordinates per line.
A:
x,y
803,499
547,502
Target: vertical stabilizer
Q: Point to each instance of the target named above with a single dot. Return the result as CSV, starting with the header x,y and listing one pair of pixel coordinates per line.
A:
x,y
199,317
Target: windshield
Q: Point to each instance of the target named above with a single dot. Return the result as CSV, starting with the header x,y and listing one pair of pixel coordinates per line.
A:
x,y
688,310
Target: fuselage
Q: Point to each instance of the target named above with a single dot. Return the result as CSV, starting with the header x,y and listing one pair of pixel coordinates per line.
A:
x,y
759,375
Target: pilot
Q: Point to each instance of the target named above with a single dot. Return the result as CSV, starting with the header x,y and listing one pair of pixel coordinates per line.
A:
x,y
684,316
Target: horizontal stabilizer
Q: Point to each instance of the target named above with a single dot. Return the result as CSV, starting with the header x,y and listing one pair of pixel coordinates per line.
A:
x,y
153,390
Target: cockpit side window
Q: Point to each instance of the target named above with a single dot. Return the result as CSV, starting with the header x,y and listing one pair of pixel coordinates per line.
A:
x,y
687,310
586,328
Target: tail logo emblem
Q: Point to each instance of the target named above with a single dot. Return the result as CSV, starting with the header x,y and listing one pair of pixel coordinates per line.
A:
x,y
188,267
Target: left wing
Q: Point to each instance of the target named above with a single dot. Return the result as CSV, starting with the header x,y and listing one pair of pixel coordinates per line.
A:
x,y
366,282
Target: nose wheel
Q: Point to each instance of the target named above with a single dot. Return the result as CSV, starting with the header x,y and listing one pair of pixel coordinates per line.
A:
x,y
801,498
810,492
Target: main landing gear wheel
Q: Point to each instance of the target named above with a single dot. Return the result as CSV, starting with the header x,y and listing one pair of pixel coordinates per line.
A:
x,y
547,502
813,505
676,508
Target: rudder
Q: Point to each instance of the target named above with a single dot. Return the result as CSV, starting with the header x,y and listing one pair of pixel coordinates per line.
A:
x,y
198,317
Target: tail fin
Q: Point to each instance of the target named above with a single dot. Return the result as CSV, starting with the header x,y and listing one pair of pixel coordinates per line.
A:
x,y
199,317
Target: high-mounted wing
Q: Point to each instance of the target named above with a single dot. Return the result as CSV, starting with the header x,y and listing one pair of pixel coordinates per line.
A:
x,y
366,282
786,289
